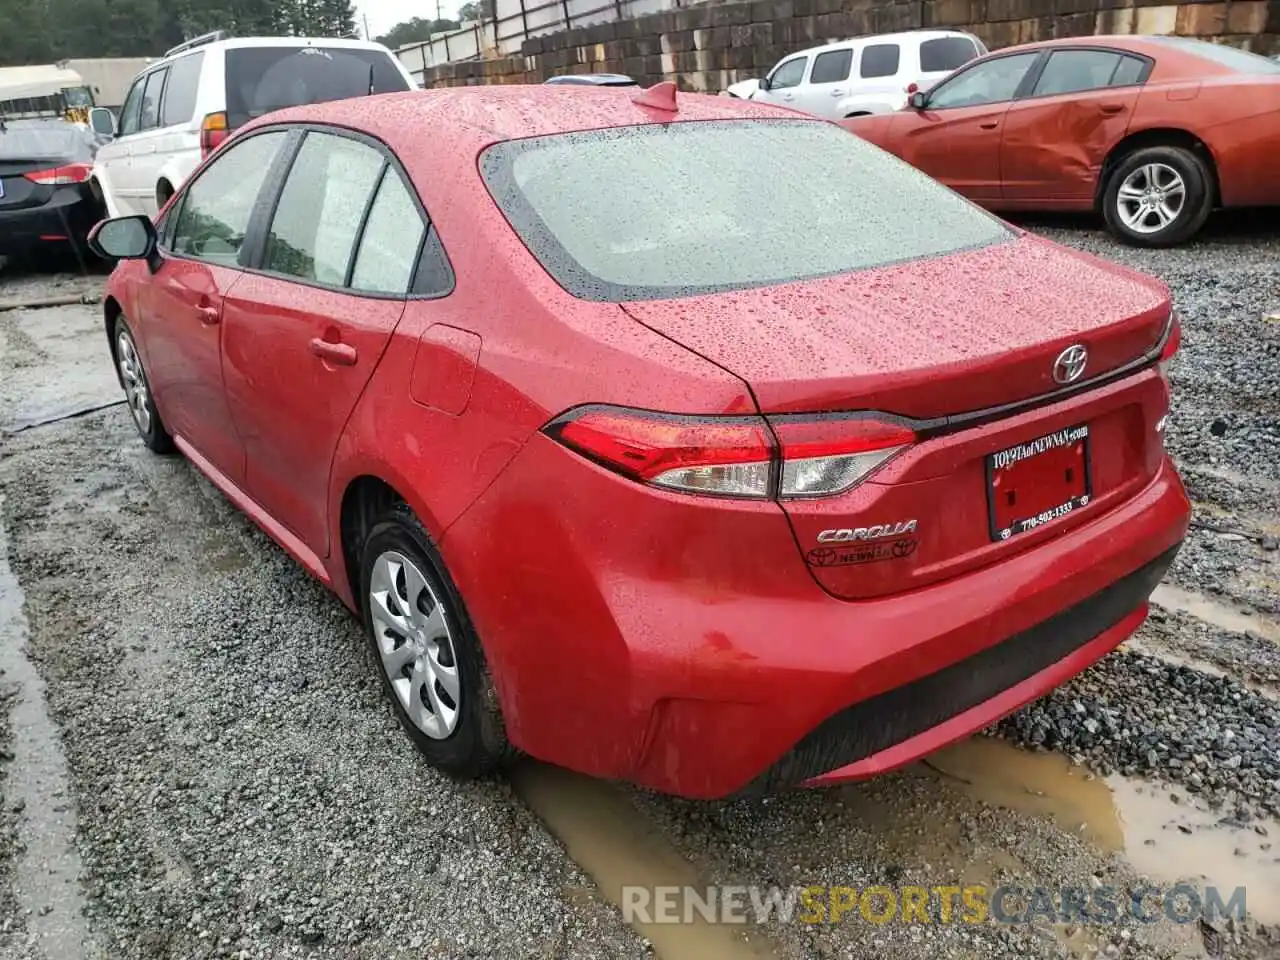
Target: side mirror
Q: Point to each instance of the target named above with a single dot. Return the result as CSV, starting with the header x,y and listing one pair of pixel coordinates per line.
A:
x,y
916,101
124,238
103,121
764,84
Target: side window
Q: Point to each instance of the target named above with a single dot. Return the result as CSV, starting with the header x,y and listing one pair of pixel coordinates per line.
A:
x,y
944,54
788,74
992,81
217,205
180,92
879,60
832,66
1128,72
132,106
150,116
392,237
1071,71
313,234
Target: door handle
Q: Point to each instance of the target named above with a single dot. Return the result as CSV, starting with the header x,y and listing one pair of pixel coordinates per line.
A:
x,y
209,316
837,93
989,125
343,354
1111,107
788,96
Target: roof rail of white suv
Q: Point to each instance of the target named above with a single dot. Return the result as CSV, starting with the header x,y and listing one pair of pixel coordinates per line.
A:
x,y
200,41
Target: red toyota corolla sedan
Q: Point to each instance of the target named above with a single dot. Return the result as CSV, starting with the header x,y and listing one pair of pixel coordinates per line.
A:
x,y
690,442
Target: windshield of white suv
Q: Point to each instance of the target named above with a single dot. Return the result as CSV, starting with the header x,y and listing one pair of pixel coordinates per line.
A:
x,y
721,205
263,79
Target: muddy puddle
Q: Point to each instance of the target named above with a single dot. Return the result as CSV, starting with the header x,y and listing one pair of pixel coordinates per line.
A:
x,y
617,846
1167,837
1213,612
1164,834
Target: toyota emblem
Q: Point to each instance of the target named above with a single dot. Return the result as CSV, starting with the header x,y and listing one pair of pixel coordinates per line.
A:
x,y
1070,364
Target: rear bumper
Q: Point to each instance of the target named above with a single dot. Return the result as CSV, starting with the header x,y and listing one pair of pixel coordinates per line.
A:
x,y
629,641
70,214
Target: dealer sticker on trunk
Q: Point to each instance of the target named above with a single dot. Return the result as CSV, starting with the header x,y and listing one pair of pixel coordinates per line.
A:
x,y
1038,481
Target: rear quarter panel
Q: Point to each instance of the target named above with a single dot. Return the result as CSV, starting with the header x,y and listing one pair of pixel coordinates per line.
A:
x,y
1238,120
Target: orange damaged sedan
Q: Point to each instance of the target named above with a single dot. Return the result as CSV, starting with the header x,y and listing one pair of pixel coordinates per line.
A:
x,y
1152,132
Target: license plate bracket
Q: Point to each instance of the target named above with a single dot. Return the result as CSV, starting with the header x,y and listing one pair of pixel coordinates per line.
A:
x,y
1039,481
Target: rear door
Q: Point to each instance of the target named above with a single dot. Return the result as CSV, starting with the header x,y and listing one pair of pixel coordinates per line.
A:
x,y
1056,138
955,138
176,139
304,331
182,306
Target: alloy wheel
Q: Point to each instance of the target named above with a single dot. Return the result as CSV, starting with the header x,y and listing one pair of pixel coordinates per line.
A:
x,y
134,378
415,643
1151,198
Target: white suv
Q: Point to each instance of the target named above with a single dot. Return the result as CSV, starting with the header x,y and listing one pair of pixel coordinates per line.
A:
x,y
181,107
852,78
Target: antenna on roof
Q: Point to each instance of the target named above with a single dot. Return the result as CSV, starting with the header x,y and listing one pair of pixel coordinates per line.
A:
x,y
661,96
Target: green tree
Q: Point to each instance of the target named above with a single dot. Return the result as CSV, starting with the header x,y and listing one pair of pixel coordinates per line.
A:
x,y
476,10
414,31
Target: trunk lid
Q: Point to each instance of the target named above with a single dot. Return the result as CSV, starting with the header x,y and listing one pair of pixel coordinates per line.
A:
x,y
16,191
930,341
924,339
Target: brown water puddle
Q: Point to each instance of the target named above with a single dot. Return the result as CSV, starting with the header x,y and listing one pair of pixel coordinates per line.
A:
x,y
617,846
1167,841
1212,612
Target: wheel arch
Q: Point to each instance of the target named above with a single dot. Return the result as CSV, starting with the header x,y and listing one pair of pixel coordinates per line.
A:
x,y
1158,137
365,498
111,312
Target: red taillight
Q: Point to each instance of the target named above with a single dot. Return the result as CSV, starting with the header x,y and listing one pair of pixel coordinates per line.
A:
x,y
1172,341
733,456
62,176
727,456
829,455
213,130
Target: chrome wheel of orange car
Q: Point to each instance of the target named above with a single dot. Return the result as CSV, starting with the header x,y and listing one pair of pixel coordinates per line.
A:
x,y
1157,196
1151,198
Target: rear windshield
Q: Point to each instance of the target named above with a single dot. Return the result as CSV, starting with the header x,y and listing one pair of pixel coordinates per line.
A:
x,y
263,79
40,140
946,53
702,207
1232,58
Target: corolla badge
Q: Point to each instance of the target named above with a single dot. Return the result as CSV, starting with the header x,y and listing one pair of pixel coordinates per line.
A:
x,y
878,532
1070,363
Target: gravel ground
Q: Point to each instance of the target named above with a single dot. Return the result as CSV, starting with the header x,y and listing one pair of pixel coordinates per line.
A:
x,y
271,808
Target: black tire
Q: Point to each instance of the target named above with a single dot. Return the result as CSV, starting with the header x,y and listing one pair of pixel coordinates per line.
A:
x,y
151,427
1197,202
477,745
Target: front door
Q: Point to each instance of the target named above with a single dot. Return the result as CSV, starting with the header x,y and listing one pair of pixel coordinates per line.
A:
x,y
183,308
784,82
955,137
303,334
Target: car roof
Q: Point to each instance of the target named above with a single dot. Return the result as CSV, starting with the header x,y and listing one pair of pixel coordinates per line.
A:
x,y
1134,43
914,36
233,43
469,118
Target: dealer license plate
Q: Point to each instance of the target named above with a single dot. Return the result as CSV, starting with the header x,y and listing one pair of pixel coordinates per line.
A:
x,y
1037,482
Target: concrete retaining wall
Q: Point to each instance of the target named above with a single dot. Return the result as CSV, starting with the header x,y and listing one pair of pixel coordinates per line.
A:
x,y
709,46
